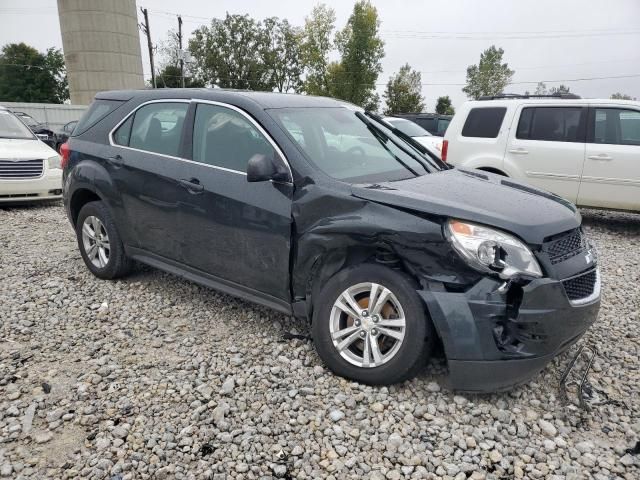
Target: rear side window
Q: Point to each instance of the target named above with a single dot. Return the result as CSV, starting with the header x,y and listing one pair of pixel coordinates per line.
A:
x,y
616,126
428,124
96,112
552,124
156,127
484,122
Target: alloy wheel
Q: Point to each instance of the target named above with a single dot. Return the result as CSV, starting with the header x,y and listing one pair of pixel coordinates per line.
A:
x,y
367,325
95,241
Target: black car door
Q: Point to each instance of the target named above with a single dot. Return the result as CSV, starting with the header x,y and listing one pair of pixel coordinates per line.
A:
x,y
233,229
144,162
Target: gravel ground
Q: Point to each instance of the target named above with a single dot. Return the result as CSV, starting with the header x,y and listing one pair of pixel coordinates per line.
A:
x,y
156,377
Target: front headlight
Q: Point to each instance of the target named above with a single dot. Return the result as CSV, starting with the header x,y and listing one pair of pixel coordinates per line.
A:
x,y
491,251
54,162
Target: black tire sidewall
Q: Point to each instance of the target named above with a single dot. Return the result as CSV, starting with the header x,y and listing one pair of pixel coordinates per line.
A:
x,y
416,344
117,258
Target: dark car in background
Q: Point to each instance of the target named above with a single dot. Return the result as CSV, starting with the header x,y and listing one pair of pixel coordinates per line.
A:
x,y
322,211
42,131
434,123
62,135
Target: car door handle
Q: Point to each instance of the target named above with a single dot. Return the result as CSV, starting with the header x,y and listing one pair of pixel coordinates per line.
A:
x,y
602,156
192,185
116,160
519,151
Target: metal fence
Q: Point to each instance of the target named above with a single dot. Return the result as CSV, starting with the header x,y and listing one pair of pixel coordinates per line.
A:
x,y
55,115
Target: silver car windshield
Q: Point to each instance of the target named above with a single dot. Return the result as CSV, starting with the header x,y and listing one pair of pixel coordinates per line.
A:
x,y
11,127
342,145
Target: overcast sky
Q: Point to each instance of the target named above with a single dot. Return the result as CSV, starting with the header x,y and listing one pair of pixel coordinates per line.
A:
x,y
556,41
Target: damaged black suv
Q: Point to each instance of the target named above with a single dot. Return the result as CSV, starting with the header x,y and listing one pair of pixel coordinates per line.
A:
x,y
325,212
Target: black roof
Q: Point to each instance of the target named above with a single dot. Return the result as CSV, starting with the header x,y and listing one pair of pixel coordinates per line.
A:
x,y
263,99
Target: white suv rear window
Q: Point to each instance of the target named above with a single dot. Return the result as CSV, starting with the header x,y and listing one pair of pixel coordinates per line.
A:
x,y
484,122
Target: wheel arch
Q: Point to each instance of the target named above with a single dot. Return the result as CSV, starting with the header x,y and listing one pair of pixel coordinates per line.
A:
x,y
80,197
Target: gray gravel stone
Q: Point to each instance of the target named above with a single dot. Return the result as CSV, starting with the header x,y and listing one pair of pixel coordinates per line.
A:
x,y
138,373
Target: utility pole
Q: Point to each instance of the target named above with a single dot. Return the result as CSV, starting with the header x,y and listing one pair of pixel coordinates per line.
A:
x,y
147,31
181,52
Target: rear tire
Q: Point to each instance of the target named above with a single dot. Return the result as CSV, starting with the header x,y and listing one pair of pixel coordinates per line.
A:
x,y
372,346
99,242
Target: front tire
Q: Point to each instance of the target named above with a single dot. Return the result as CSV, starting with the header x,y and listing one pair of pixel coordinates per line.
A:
x,y
99,242
370,325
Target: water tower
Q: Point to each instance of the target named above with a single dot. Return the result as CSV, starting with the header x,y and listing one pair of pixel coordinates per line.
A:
x,y
101,46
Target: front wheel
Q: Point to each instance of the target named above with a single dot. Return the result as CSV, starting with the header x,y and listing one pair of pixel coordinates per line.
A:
x,y
370,325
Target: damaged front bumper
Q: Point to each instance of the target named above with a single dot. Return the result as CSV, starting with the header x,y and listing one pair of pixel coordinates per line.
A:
x,y
495,338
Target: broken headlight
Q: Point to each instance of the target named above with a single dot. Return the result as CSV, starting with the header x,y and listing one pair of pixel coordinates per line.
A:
x,y
491,251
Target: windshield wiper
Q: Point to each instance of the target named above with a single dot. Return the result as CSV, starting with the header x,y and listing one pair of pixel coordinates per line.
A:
x,y
371,125
384,138
426,154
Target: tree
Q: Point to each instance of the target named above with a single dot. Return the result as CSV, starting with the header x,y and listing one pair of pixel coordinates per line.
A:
x,y
169,77
541,89
490,76
361,50
282,54
559,90
404,92
443,106
229,53
315,48
27,75
621,96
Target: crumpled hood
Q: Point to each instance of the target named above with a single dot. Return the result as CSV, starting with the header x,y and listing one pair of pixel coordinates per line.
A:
x,y
480,197
11,149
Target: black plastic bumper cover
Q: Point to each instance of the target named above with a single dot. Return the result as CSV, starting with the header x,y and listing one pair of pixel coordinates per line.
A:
x,y
491,345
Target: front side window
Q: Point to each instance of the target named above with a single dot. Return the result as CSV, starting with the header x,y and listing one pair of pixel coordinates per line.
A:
x,y
156,127
551,124
616,126
11,127
484,122
225,138
340,144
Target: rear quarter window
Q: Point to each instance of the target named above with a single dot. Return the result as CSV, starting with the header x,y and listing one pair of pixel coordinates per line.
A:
x,y
96,112
484,122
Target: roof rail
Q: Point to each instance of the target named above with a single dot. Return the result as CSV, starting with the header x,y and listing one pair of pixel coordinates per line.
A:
x,y
502,96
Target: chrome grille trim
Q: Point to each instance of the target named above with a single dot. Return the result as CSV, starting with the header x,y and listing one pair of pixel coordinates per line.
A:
x,y
21,169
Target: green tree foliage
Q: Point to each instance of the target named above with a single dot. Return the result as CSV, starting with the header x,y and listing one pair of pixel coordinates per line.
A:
x,y
282,54
240,52
541,89
444,107
27,75
559,90
490,76
315,48
621,96
404,92
361,50
169,77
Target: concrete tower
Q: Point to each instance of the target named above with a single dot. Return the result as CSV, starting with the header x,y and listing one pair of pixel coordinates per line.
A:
x,y
101,46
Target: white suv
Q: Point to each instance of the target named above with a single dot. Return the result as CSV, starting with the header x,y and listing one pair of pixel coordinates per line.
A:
x,y
585,150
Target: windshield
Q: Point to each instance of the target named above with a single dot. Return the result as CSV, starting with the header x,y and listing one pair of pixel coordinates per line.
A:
x,y
343,146
28,119
11,127
408,127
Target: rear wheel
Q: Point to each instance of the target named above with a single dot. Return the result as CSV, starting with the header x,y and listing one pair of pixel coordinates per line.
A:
x,y
100,244
370,325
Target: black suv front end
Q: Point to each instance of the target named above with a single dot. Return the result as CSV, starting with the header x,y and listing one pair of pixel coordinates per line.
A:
x,y
499,333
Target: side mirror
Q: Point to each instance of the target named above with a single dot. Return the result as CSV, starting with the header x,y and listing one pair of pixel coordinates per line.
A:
x,y
262,168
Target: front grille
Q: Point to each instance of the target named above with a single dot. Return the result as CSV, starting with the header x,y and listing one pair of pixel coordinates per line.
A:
x,y
566,246
581,286
21,168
